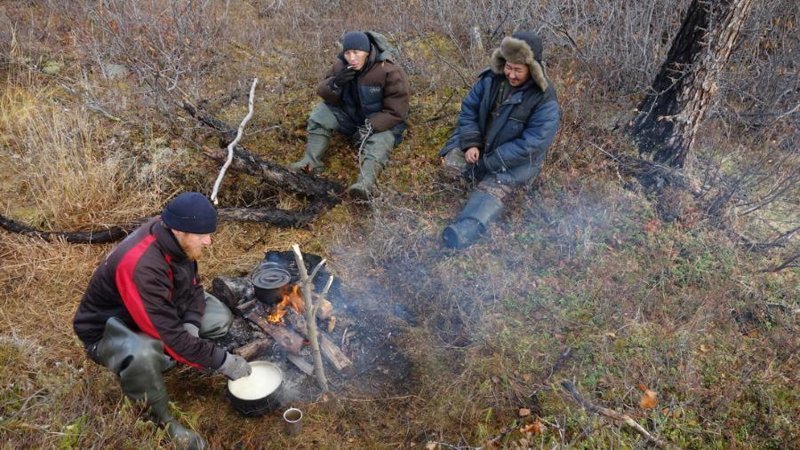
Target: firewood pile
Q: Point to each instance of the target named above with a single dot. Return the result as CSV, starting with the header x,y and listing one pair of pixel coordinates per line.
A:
x,y
266,330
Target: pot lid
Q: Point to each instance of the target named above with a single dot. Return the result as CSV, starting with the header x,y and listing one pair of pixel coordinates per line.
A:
x,y
270,277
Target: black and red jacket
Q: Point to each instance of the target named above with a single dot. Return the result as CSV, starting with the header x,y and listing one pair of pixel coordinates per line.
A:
x,y
148,283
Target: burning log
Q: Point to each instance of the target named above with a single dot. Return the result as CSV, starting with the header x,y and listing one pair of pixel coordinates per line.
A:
x,y
233,291
288,339
253,349
329,350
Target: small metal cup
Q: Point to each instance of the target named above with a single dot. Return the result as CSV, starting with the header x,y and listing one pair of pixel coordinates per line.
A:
x,y
292,418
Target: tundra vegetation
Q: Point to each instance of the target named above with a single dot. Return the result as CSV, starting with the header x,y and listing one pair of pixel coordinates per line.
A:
x,y
675,307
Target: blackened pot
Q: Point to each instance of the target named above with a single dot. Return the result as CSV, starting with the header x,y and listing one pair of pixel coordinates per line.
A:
x,y
269,281
259,393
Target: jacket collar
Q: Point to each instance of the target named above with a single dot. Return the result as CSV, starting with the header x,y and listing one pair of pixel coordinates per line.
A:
x,y
167,240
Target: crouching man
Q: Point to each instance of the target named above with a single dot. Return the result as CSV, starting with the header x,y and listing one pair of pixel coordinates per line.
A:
x,y
144,309
508,120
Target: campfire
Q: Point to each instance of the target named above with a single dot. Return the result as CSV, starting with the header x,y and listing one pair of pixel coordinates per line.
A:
x,y
271,300
290,298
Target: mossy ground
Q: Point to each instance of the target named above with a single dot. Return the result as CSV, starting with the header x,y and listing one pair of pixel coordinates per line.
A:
x,y
580,280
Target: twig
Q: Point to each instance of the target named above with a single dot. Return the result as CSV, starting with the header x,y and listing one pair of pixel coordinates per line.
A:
x,y
788,262
233,144
610,413
245,305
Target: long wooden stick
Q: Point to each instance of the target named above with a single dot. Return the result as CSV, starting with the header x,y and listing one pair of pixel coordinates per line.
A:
x,y
232,145
306,287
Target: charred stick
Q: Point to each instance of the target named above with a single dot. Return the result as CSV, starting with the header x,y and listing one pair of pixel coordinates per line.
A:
x,y
286,338
111,234
301,364
253,349
328,349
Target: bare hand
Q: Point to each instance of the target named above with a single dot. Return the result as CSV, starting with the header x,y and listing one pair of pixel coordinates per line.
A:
x,y
472,154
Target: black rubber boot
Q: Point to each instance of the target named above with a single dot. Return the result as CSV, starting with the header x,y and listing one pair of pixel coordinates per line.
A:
x,y
181,436
138,360
462,233
481,210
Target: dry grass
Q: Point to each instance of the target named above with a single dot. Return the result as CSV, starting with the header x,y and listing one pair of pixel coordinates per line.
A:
x,y
580,266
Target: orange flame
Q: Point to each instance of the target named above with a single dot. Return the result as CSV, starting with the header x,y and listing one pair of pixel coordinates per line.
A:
x,y
290,298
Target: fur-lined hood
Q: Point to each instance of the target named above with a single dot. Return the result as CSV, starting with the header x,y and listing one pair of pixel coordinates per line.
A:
x,y
517,50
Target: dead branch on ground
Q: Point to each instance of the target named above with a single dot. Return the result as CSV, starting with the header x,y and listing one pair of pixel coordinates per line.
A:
x,y
110,234
611,414
789,262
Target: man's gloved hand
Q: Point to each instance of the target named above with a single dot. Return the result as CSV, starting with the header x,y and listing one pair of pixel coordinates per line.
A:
x,y
365,131
343,77
235,367
192,329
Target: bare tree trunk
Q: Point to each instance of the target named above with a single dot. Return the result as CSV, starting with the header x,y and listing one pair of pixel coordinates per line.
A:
x,y
683,90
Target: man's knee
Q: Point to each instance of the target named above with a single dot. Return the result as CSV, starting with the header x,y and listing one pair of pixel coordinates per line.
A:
x,y
322,120
379,146
216,320
120,348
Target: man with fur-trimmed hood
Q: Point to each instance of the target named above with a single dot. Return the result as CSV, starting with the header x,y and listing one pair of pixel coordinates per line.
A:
x,y
366,97
508,120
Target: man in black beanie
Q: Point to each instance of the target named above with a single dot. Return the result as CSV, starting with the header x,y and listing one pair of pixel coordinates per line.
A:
x,y
144,300
365,97
508,120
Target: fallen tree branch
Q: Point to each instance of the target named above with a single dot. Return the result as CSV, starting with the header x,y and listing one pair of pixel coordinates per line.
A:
x,y
279,176
789,262
610,413
232,145
275,216
110,234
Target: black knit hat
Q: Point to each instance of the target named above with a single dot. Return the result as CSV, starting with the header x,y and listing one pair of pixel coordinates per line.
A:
x,y
355,40
190,212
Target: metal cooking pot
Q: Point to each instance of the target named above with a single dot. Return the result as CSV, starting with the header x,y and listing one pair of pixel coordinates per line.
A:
x,y
259,393
268,280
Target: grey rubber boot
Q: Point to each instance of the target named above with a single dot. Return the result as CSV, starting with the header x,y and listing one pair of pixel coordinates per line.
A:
x,y
481,210
321,124
316,144
138,360
375,157
365,184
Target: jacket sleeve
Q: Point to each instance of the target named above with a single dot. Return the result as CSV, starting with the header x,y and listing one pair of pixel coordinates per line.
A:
x,y
197,303
469,129
147,296
325,89
396,95
540,130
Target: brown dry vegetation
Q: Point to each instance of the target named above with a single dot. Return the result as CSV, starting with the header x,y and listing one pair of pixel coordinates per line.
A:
x,y
580,281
